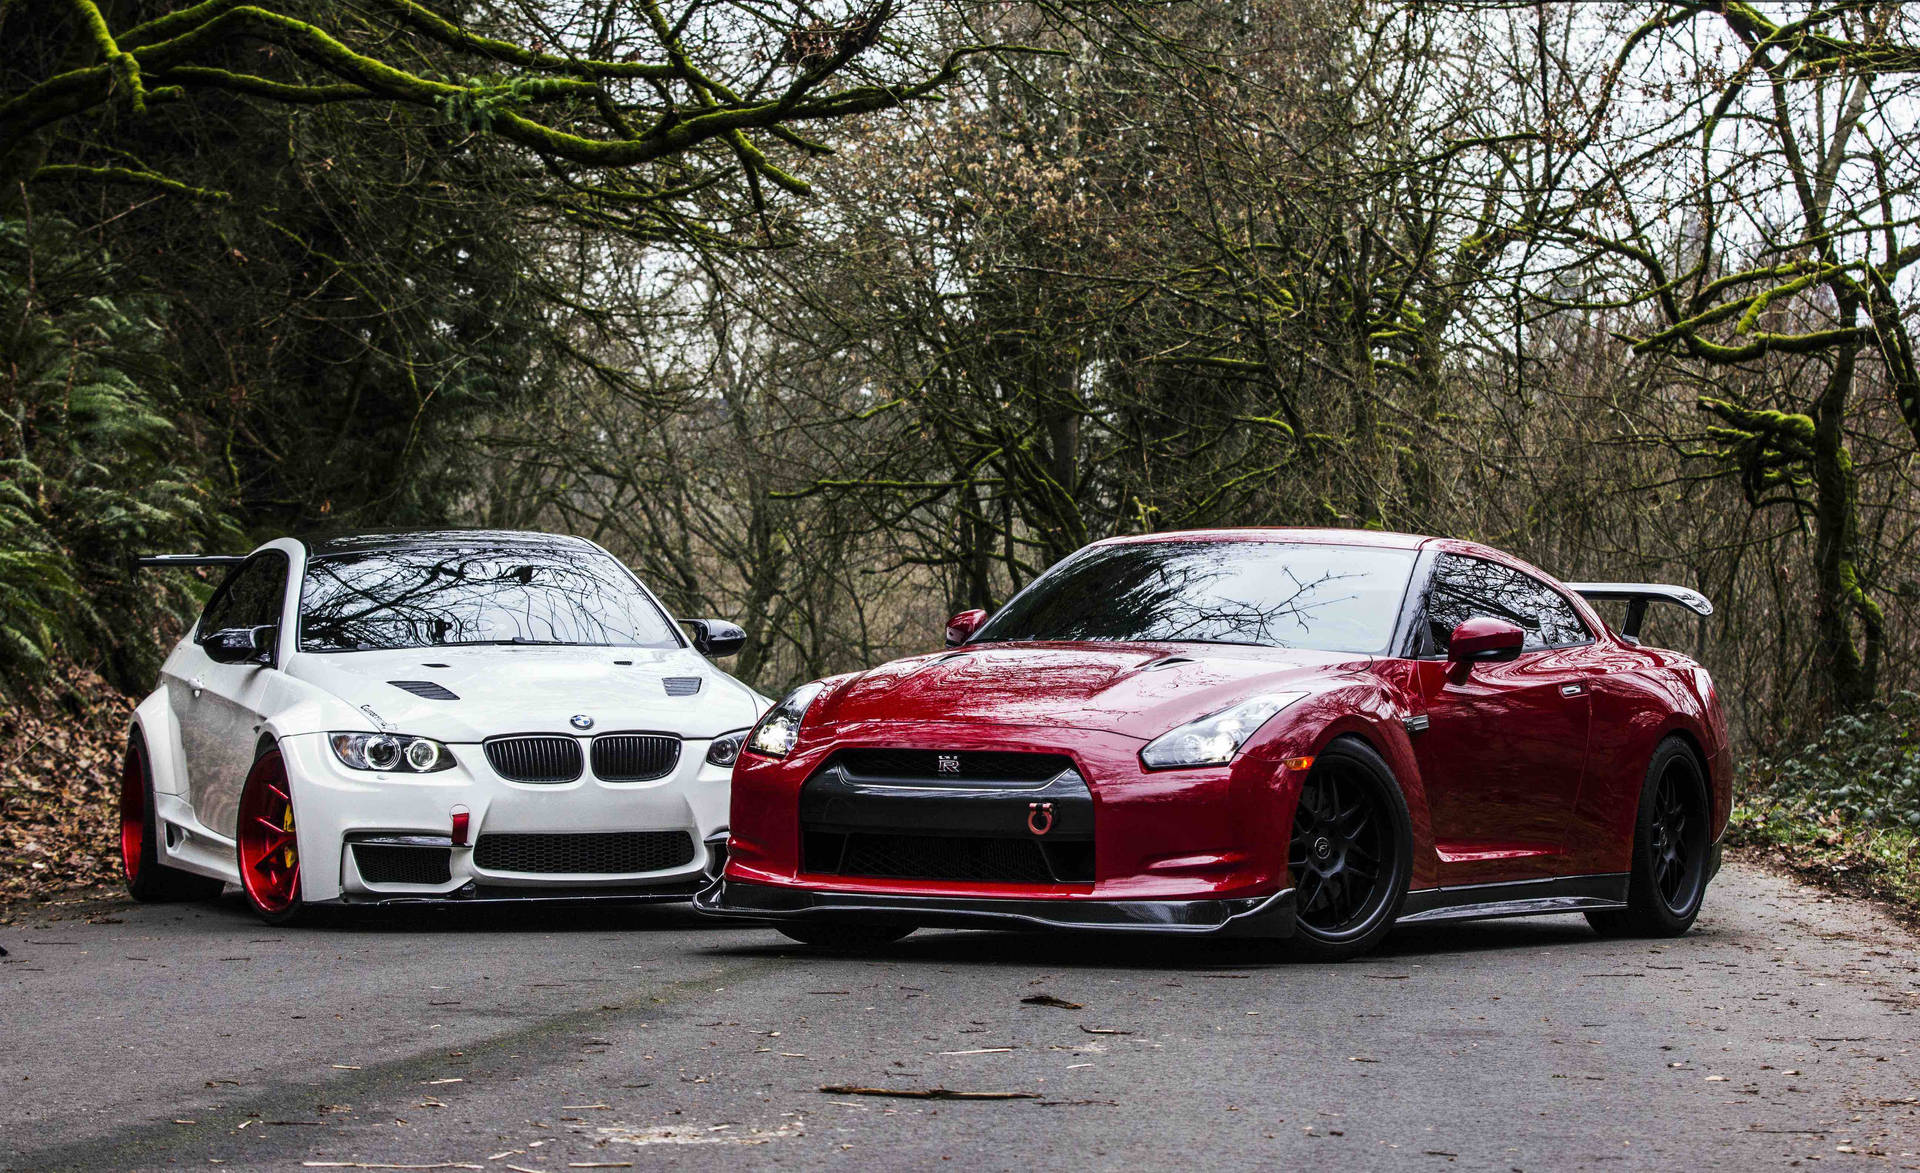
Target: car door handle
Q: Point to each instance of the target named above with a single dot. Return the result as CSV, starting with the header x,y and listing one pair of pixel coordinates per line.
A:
x,y
1572,689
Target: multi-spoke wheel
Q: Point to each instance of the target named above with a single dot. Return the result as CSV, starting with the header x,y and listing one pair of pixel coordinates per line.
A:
x,y
1349,854
268,849
1672,847
149,880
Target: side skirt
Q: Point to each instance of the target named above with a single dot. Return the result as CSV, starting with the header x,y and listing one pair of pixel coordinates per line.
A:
x,y
1560,894
187,845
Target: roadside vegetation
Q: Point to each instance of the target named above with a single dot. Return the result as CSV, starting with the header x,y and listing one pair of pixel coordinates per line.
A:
x,y
1844,810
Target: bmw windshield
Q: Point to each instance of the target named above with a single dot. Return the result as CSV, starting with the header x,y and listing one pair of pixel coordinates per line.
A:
x,y
447,595
1276,594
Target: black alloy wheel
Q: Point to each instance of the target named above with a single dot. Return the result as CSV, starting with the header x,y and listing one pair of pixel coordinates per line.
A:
x,y
1672,850
1349,854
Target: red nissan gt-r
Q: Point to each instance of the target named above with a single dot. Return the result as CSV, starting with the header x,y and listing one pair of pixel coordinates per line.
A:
x,y
1312,734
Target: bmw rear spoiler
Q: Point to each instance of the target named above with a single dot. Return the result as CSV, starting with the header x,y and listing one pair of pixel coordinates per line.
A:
x,y
166,561
1638,595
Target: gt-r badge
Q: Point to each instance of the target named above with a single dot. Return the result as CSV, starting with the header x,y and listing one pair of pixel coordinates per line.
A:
x,y
580,721
1039,817
947,763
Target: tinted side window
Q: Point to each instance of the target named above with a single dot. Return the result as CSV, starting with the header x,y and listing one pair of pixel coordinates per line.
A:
x,y
1465,587
251,598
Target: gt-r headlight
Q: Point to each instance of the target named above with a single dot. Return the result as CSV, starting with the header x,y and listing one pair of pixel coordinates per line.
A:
x,y
725,749
390,753
775,734
1213,740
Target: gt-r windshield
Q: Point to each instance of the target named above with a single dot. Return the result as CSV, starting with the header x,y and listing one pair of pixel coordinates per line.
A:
x,y
442,595
1297,595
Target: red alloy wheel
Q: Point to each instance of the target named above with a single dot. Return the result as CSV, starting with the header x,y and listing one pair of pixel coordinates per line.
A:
x,y
133,815
269,852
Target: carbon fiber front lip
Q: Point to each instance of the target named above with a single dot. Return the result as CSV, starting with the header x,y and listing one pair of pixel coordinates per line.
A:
x,y
674,891
1263,916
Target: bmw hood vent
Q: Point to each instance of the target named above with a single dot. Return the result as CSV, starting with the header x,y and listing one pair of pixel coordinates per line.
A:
x,y
427,689
681,685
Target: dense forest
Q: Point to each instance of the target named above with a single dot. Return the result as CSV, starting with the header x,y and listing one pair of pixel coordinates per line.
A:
x,y
836,317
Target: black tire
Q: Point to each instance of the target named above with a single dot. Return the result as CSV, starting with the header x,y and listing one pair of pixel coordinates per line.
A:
x,y
1671,850
148,880
842,936
1350,854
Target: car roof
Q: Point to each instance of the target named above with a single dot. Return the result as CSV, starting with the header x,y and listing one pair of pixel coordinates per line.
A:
x,y
1307,535
371,541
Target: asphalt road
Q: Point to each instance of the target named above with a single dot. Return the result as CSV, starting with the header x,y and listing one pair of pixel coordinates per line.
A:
x,y
1785,1030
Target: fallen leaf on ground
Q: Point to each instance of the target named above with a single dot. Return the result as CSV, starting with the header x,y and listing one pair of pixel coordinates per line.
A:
x,y
1050,1000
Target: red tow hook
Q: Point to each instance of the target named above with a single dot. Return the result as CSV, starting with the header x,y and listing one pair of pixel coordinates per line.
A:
x,y
460,821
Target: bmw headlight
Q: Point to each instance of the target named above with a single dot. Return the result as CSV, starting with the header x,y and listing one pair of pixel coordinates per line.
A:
x,y
725,749
390,753
775,734
1213,740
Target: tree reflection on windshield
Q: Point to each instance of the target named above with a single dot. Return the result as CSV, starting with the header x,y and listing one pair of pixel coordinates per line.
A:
x,y
1325,597
442,595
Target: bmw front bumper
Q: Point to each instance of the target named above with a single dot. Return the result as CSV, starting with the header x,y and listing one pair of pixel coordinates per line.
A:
x,y
1261,916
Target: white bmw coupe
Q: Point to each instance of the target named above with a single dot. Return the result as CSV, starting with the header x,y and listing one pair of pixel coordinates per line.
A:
x,y
438,716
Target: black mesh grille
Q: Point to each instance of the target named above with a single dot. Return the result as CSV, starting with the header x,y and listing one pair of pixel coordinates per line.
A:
x,y
601,852
962,765
427,689
634,757
943,857
681,685
386,864
535,759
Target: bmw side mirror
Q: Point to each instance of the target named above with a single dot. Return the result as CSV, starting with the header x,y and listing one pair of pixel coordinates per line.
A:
x,y
715,637
961,627
1481,640
241,645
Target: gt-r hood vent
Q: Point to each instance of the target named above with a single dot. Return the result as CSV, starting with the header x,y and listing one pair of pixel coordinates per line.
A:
x,y
1140,690
427,689
682,685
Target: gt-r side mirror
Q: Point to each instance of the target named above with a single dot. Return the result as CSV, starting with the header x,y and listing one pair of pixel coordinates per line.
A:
x,y
241,645
1482,640
961,627
715,637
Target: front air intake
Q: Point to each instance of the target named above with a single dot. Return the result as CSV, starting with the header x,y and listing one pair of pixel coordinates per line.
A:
x,y
591,853
535,758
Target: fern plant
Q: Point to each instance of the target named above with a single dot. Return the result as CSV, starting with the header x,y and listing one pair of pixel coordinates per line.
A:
x,y
91,471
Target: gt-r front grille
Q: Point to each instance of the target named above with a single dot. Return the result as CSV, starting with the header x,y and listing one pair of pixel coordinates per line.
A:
x,y
595,853
1003,860
993,817
382,863
535,758
634,757
975,767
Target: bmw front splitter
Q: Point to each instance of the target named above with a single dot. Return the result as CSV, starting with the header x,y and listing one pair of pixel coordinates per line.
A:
x,y
1259,916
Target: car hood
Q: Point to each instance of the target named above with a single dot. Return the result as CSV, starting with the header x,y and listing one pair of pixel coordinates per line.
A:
x,y
532,690
1136,689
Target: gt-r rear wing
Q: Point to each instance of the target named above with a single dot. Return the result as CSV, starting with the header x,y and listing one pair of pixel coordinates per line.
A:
x,y
1638,595
166,561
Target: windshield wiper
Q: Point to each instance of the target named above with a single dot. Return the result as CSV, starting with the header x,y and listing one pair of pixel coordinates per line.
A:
x,y
516,641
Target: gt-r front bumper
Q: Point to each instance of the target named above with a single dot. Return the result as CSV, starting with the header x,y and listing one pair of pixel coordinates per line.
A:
x,y
369,838
1260,916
